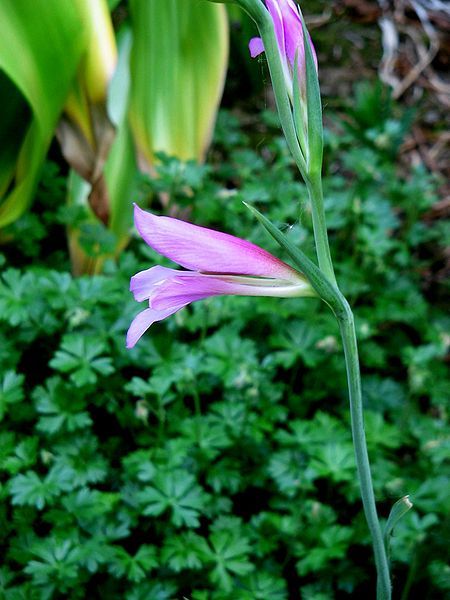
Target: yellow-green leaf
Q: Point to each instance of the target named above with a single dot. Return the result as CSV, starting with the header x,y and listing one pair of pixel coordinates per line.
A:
x,y
40,48
178,64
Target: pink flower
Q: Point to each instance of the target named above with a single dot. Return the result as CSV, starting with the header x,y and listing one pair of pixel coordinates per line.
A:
x,y
217,263
288,30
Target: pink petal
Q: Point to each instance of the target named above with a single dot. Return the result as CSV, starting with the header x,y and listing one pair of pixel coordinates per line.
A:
x,y
201,249
277,18
142,284
189,287
143,320
293,34
256,47
288,28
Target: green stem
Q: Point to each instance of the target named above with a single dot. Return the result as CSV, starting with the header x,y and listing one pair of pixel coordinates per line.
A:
x,y
339,305
314,185
324,282
347,327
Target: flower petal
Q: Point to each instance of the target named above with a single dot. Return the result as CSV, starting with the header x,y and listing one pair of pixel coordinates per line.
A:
x,y
256,47
142,284
286,17
277,18
189,287
201,249
292,29
143,320
293,35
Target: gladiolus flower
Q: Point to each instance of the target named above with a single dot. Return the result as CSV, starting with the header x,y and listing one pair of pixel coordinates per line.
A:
x,y
218,264
288,30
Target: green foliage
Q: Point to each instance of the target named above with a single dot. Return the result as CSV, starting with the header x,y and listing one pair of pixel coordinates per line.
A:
x,y
214,460
80,356
228,553
29,489
11,391
176,491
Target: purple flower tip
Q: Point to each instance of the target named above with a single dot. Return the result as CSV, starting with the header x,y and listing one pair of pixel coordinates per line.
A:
x,y
286,17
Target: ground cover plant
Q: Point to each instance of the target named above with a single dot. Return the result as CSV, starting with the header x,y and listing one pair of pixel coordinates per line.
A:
x,y
215,459
217,456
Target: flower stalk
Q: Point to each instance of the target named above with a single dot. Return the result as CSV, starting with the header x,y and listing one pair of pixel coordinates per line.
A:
x,y
350,344
314,186
322,279
331,295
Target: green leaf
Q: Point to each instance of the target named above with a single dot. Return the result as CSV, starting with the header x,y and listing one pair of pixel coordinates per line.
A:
x,y
14,296
60,410
177,492
56,565
17,456
440,574
334,461
11,391
263,585
89,505
80,356
297,340
79,454
29,489
314,109
210,437
39,53
400,508
228,551
291,471
432,494
155,591
224,476
185,551
178,63
380,433
332,544
410,532
135,568
383,394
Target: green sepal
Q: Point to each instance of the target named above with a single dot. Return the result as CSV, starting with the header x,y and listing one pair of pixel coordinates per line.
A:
x,y
314,108
299,116
400,508
324,289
